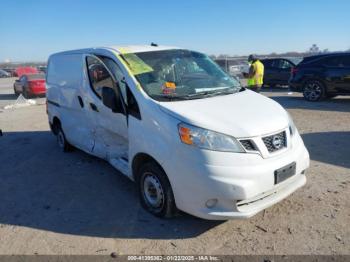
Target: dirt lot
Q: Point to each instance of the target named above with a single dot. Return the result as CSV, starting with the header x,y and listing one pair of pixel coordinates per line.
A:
x,y
56,203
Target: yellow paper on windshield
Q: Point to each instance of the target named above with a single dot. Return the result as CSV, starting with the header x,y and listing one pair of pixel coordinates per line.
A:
x,y
136,65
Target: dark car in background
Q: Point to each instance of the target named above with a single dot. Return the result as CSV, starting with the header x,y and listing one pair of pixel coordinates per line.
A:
x,y
277,70
3,73
320,76
42,69
11,71
30,85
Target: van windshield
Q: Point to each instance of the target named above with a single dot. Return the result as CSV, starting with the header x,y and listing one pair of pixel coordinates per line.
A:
x,y
182,75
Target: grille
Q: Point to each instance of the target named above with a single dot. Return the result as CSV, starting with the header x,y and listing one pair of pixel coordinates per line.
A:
x,y
248,145
275,142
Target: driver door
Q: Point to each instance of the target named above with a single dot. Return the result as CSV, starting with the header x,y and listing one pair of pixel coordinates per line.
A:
x,y
110,129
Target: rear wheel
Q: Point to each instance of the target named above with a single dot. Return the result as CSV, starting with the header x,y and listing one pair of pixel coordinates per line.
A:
x,y
62,142
155,192
313,90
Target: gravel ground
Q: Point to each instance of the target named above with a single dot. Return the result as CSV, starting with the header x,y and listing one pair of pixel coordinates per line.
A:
x,y
56,203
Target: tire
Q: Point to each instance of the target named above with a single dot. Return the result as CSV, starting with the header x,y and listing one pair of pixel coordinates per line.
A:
x,y
313,90
25,93
15,91
155,192
62,142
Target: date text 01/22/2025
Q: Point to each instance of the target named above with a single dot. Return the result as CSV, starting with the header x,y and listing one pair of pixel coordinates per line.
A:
x,y
172,258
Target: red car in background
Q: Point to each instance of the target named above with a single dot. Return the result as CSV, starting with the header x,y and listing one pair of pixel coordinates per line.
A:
x,y
30,85
24,70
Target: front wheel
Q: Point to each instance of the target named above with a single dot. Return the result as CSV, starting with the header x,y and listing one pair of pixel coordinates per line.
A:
x,y
25,93
313,90
15,91
156,194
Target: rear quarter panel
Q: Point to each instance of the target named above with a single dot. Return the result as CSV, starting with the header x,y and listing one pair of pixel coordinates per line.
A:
x,y
64,85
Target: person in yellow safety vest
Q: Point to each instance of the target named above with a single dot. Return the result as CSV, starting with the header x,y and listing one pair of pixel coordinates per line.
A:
x,y
256,73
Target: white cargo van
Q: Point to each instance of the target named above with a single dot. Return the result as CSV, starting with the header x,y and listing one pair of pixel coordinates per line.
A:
x,y
171,120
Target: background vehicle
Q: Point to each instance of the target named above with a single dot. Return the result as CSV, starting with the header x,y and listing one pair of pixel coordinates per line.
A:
x,y
234,66
25,70
30,84
42,69
322,76
3,73
11,71
277,71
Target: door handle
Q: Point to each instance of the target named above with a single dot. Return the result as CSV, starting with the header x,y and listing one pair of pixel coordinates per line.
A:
x,y
93,107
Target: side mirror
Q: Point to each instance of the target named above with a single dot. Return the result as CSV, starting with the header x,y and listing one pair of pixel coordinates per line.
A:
x,y
111,100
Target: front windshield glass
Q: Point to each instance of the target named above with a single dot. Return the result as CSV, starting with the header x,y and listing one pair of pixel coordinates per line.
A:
x,y
182,74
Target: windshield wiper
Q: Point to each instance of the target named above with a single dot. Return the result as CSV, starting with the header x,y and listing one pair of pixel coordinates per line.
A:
x,y
226,91
214,93
173,97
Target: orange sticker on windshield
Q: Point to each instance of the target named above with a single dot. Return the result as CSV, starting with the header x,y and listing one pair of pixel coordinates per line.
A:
x,y
170,85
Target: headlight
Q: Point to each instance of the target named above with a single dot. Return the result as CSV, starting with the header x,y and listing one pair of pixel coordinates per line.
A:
x,y
207,139
292,127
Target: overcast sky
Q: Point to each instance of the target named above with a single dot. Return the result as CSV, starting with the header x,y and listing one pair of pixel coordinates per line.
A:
x,y
33,29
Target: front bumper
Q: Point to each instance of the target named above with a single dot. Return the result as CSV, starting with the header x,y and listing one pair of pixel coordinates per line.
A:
x,y
242,184
250,207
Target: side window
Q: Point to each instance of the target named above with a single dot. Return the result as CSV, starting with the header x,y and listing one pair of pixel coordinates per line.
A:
x,y
128,97
118,75
267,62
284,64
275,63
332,61
344,61
98,75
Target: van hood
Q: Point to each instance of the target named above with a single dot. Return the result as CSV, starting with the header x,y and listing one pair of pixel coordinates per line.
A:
x,y
243,114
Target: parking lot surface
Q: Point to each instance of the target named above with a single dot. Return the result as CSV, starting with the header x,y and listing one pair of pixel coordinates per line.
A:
x,y
72,203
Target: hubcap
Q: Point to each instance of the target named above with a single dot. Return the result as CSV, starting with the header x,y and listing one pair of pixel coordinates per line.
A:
x,y
153,191
60,139
312,91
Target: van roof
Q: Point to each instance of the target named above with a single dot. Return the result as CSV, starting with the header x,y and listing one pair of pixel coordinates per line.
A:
x,y
121,49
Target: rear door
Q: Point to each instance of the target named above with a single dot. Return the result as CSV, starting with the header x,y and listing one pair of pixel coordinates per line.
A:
x,y
110,129
284,68
337,73
344,67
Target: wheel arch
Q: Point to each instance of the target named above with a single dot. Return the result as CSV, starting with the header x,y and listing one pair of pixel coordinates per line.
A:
x,y
139,159
314,78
